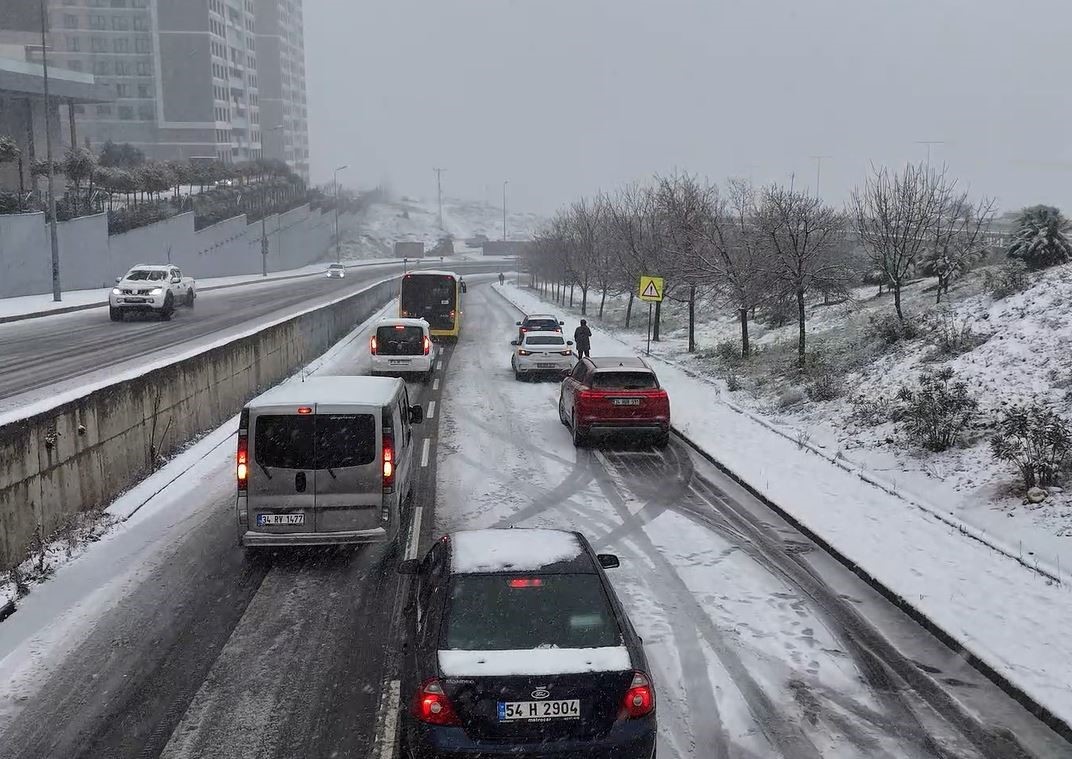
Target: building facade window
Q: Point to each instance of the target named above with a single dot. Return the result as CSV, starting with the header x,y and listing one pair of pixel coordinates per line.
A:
x,y
73,44
122,45
97,21
126,113
70,20
120,23
143,45
146,112
98,44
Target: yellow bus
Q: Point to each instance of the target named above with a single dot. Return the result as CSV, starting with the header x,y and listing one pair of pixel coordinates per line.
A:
x,y
434,296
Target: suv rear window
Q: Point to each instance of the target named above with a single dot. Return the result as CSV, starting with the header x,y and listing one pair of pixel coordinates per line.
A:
x,y
290,441
400,340
544,340
625,381
542,325
505,612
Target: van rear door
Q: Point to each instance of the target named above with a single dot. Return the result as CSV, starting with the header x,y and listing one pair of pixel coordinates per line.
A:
x,y
282,474
349,482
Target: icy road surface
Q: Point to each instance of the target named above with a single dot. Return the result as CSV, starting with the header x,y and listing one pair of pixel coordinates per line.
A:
x,y
174,645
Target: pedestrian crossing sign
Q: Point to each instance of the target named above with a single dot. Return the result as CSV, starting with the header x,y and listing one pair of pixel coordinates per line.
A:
x,y
651,289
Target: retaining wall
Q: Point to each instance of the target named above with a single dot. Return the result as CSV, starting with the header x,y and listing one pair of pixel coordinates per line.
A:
x,y
90,258
81,455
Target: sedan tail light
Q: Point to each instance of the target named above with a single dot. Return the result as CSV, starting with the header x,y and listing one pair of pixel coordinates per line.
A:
x,y
431,705
639,700
243,461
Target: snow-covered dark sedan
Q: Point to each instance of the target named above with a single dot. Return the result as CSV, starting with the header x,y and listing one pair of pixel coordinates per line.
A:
x,y
518,647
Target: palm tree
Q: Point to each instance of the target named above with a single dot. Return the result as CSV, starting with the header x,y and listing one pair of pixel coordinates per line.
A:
x,y
1042,237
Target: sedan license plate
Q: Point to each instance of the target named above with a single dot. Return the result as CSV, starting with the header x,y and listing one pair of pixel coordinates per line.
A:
x,y
286,520
545,366
536,711
134,300
625,401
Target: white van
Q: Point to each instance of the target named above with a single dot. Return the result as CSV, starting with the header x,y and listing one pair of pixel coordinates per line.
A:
x,y
403,347
330,460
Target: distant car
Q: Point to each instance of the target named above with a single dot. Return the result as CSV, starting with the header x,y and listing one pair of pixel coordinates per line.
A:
x,y
538,323
541,353
403,347
614,396
336,270
151,289
519,647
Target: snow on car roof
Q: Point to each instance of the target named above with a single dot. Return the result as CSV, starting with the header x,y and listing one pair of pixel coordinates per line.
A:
x,y
511,549
439,272
151,267
620,363
541,333
533,661
540,316
409,322
363,391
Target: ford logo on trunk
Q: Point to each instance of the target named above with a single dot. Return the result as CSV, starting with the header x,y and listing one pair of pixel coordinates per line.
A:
x,y
541,693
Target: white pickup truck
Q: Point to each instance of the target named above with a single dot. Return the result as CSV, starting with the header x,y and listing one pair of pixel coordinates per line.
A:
x,y
150,288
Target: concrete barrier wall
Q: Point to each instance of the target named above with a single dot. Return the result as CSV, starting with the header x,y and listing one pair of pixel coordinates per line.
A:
x,y
83,454
89,258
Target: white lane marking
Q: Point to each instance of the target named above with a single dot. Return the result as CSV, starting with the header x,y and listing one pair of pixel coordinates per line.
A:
x,y
431,410
385,736
414,541
435,384
424,451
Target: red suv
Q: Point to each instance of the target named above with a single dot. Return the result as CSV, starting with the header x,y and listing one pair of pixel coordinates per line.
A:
x,y
609,396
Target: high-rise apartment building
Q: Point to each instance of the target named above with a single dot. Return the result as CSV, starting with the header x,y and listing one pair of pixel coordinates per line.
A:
x,y
281,69
190,76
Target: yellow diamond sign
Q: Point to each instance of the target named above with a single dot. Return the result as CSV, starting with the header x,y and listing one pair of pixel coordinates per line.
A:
x,y
651,289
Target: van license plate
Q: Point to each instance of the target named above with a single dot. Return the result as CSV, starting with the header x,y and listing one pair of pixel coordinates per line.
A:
x,y
287,520
397,361
626,401
538,711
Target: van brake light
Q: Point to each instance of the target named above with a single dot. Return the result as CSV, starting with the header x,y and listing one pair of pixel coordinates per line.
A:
x,y
374,346
427,345
243,461
388,461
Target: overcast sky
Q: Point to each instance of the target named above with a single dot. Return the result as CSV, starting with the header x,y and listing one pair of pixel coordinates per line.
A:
x,y
565,97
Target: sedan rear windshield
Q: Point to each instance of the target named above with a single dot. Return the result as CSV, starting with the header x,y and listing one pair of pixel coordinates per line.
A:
x,y
625,381
146,275
544,340
400,340
507,612
542,325
321,441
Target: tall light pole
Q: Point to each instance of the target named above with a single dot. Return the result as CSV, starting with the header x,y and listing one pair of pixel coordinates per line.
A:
x,y
56,291
928,143
338,242
818,170
505,182
264,217
439,193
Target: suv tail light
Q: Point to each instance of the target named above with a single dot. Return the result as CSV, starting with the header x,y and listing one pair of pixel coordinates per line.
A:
x,y
431,705
639,700
427,345
374,345
242,468
388,461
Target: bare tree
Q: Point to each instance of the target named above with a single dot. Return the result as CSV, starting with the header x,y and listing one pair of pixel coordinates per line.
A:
x,y
807,248
632,225
685,205
736,254
895,216
957,237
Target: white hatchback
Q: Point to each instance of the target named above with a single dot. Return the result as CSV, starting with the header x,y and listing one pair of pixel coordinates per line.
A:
x,y
542,353
403,347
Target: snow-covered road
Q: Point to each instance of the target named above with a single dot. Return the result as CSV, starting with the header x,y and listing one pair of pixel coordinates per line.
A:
x,y
161,640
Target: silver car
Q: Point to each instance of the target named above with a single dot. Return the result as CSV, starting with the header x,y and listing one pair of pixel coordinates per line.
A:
x,y
542,353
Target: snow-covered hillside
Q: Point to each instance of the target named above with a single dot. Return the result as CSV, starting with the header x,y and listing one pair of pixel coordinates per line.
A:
x,y
409,220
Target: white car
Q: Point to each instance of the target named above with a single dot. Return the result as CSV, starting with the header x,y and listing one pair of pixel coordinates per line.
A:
x,y
151,289
403,347
336,271
542,353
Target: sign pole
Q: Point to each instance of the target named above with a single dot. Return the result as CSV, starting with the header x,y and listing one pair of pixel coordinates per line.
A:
x,y
648,350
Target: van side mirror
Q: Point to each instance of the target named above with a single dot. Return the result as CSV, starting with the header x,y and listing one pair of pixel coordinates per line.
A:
x,y
518,323
562,324
514,342
176,280
608,561
416,414
569,342
118,280
409,567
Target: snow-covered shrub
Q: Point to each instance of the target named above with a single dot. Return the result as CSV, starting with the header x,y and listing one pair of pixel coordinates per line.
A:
x,y
1042,237
733,382
728,351
826,386
791,396
892,330
1006,280
954,335
870,412
937,410
1037,440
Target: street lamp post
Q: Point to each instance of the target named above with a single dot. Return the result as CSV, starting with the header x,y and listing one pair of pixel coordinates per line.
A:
x,y
56,290
505,182
338,242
